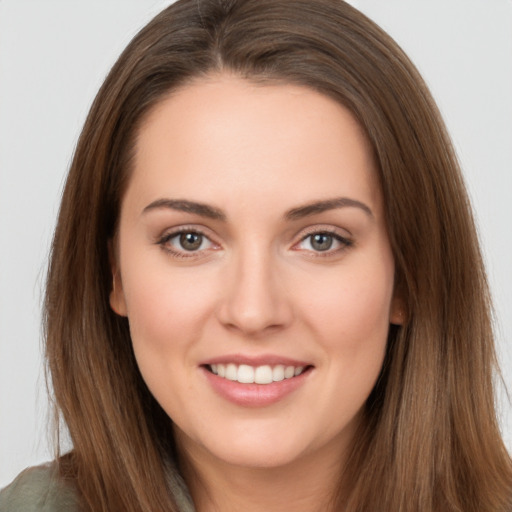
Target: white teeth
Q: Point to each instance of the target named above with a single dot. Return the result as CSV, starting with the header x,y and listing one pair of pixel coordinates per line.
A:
x,y
278,373
289,372
245,374
231,372
264,374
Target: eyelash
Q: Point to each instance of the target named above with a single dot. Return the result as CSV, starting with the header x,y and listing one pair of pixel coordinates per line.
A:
x,y
164,240
345,243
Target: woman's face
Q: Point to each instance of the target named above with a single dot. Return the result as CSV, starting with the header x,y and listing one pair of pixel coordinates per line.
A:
x,y
255,270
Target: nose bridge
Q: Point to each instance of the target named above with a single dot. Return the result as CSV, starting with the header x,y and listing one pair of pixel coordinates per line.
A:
x,y
254,299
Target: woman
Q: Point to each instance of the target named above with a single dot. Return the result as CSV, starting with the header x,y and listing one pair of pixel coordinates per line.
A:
x,y
265,289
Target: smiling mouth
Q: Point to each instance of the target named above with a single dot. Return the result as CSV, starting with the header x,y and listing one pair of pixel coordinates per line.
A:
x,y
264,374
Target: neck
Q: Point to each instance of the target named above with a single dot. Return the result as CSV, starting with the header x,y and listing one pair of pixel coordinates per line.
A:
x,y
308,484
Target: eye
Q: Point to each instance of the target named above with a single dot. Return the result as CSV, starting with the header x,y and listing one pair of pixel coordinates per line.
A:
x,y
185,243
189,241
323,242
320,241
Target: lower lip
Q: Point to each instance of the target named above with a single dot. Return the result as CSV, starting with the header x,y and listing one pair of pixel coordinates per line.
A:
x,y
255,395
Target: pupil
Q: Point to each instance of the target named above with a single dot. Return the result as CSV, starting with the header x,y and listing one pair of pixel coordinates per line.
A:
x,y
191,241
321,242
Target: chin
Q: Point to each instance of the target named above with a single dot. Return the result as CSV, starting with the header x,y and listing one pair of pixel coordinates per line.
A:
x,y
258,457
260,448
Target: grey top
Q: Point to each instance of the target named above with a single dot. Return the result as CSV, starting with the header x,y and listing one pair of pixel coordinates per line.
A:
x,y
39,489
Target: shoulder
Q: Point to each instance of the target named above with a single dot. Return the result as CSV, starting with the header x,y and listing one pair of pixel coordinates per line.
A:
x,y
39,489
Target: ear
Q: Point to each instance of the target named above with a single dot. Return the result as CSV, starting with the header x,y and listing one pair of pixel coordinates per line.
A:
x,y
397,314
116,297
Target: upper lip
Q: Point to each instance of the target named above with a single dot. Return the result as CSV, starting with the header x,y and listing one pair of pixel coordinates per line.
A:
x,y
259,360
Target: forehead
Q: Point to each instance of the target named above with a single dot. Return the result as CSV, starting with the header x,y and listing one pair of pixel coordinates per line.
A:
x,y
224,134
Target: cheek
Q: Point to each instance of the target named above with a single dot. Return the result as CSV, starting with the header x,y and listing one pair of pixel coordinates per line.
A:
x,y
166,310
351,324
352,305
350,318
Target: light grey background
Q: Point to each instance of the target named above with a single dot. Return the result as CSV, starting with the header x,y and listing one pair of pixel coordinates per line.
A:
x,y
53,57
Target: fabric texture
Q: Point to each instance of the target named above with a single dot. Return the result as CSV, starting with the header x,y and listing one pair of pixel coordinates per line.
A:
x,y
40,489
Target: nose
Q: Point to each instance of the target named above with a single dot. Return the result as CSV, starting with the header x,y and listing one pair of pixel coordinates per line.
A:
x,y
254,297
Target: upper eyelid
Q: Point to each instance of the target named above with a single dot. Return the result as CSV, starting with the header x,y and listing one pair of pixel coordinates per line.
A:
x,y
324,228
341,239
173,231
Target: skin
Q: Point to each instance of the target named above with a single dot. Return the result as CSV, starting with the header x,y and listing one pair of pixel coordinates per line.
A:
x,y
257,285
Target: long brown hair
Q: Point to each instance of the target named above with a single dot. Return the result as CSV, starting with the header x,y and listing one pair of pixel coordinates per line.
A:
x,y
430,439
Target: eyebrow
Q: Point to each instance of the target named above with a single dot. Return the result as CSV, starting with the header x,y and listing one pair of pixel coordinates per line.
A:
x,y
325,205
182,205
211,212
